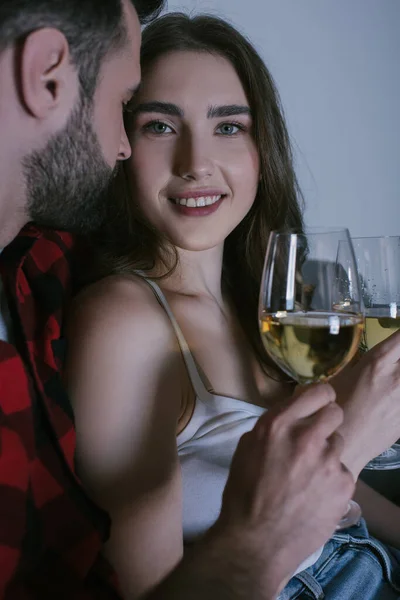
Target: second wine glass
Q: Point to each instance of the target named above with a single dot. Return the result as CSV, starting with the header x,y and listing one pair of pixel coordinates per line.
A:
x,y
378,265
310,311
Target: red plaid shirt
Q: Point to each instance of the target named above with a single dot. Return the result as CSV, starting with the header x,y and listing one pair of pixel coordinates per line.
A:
x,y
50,531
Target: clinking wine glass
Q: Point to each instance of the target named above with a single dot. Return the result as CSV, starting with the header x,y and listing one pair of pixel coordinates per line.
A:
x,y
310,311
378,265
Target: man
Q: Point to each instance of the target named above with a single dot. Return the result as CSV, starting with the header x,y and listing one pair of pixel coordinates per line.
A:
x,y
67,67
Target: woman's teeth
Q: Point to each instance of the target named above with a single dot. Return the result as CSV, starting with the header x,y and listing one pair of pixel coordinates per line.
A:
x,y
197,202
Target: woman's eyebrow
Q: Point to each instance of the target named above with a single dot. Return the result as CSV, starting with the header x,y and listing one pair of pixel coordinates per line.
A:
x,y
173,110
166,108
228,110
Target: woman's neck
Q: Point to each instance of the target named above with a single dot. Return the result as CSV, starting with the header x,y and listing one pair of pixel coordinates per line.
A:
x,y
198,274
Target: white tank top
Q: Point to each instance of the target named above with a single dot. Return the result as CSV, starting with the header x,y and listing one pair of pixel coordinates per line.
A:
x,y
207,444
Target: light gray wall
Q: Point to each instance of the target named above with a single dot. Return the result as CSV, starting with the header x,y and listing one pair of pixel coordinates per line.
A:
x,y
337,66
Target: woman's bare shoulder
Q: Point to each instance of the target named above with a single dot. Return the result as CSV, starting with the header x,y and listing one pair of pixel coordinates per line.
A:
x,y
115,290
120,304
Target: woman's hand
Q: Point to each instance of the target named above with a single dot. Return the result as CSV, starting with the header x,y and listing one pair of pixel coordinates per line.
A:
x,y
369,393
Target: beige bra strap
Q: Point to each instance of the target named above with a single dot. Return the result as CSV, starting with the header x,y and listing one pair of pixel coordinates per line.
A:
x,y
194,375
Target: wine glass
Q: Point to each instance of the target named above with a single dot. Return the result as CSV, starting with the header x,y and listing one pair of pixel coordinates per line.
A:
x,y
310,310
378,262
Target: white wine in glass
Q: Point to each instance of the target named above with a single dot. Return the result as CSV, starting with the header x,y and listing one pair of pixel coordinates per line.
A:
x,y
378,264
310,311
311,346
379,327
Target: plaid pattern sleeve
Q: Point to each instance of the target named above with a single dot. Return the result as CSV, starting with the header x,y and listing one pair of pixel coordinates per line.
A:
x,y
51,533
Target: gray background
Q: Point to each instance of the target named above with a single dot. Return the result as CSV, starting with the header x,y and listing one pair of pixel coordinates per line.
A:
x,y
337,67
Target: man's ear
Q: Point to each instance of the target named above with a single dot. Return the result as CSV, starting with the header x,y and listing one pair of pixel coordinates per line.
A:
x,y
48,79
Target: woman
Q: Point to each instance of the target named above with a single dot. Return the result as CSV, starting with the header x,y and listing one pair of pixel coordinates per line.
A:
x,y
159,420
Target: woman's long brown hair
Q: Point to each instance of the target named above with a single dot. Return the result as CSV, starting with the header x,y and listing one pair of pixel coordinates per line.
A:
x,y
135,244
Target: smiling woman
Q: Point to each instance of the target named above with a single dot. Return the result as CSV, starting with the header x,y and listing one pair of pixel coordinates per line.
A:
x,y
160,416
243,136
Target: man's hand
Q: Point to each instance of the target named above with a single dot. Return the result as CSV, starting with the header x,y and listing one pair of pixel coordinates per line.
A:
x,y
287,488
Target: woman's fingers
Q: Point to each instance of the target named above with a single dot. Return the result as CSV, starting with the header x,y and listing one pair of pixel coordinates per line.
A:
x,y
388,351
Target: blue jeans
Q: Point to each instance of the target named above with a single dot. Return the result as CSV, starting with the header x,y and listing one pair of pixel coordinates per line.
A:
x,y
353,566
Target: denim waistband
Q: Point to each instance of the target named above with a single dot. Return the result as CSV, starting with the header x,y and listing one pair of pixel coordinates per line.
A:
x,y
353,565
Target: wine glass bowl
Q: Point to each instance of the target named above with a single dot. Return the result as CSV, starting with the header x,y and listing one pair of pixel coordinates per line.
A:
x,y
311,316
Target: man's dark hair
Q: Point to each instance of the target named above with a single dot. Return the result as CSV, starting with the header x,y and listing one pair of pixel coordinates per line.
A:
x,y
93,28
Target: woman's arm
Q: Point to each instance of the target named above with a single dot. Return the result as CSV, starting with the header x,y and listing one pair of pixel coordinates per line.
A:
x,y
369,393
123,378
382,515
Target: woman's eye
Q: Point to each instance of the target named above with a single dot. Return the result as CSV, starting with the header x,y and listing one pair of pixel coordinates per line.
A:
x,y
158,127
229,129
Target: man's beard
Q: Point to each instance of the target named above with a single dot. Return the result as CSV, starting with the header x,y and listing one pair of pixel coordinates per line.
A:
x,y
67,182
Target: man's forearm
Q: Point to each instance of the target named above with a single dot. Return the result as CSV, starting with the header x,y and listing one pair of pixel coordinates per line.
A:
x,y
218,569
